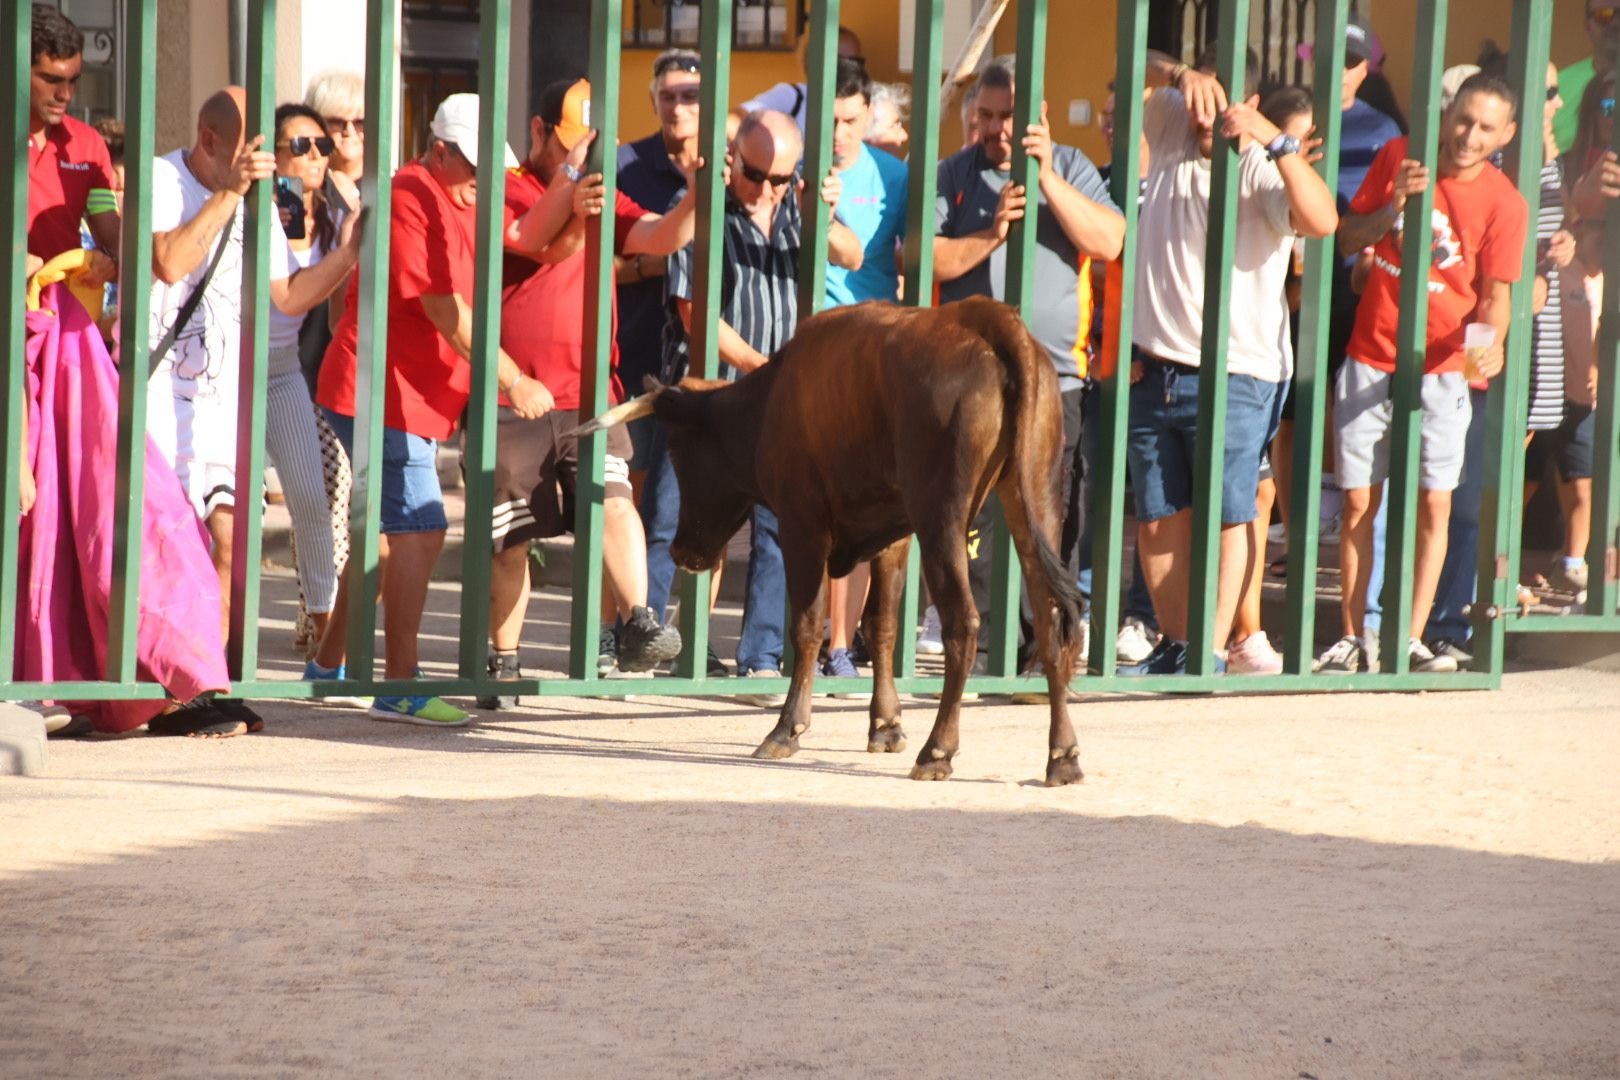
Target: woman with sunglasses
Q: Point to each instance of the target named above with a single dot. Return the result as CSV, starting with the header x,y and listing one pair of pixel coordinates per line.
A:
x,y
308,460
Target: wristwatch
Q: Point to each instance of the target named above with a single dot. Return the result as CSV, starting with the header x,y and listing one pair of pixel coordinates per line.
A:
x,y
1283,145
572,173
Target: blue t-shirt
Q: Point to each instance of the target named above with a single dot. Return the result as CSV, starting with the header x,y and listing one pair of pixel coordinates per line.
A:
x,y
873,205
648,176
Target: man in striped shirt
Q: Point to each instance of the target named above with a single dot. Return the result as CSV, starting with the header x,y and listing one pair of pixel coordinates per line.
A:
x,y
758,314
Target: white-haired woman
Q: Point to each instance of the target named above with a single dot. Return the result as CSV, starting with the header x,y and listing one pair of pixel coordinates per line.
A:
x,y
340,98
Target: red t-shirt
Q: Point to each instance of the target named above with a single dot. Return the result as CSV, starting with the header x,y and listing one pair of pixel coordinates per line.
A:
x,y
543,304
1479,234
61,175
431,245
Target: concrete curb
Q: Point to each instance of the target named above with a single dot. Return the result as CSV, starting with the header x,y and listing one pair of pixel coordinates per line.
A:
x,y
22,741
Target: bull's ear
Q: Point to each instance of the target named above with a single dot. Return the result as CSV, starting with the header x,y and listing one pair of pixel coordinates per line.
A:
x,y
679,405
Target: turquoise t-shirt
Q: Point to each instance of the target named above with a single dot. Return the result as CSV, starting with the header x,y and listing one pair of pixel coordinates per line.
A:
x,y
873,205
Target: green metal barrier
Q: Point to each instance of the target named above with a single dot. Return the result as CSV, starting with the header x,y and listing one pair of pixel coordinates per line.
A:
x,y
1495,614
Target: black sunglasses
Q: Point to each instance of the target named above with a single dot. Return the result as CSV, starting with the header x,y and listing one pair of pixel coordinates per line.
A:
x,y
1552,93
760,176
667,64
299,145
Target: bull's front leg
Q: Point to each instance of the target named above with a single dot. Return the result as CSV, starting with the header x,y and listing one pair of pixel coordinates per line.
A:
x,y
884,735
808,599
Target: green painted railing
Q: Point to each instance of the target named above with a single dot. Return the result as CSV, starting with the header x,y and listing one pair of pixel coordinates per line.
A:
x,y
1495,613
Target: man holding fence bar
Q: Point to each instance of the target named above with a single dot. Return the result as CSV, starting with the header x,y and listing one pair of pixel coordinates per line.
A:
x,y
1279,197
977,205
432,241
1477,237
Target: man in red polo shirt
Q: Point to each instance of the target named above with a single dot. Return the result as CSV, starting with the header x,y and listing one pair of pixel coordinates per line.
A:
x,y
69,170
548,200
427,381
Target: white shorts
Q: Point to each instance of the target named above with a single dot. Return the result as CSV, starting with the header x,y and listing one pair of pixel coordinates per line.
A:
x,y
198,439
1362,410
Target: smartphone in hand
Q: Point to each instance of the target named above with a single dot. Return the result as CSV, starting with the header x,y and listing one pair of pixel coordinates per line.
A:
x,y
290,201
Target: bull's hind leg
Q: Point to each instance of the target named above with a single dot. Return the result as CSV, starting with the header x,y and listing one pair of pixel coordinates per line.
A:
x,y
945,565
805,558
883,735
1058,658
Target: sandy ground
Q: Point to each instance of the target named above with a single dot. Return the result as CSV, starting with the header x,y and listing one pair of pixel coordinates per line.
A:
x,y
1345,886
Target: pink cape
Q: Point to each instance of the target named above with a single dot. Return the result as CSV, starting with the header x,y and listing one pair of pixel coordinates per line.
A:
x,y
66,547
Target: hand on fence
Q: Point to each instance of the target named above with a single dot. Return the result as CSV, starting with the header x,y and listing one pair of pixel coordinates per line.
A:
x,y
1609,175
1038,143
1244,118
530,399
582,149
1009,208
1412,178
589,195
250,164
832,188
1311,147
353,227
1206,97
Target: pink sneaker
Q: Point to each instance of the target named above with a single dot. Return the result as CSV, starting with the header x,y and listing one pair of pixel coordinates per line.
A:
x,y
1254,656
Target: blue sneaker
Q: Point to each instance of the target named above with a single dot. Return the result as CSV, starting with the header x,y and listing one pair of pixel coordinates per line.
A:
x,y
841,665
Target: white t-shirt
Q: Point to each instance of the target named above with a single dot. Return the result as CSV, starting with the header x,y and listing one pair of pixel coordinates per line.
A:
x,y
1173,225
192,398
790,98
284,328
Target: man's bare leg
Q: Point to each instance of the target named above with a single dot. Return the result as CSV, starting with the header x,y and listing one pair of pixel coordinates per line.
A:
x,y
508,597
846,599
624,554
1434,521
1166,547
1248,612
411,558
1576,498
1355,555
220,523
333,643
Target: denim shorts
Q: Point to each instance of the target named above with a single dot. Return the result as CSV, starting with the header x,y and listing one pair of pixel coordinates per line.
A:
x,y
411,499
1163,440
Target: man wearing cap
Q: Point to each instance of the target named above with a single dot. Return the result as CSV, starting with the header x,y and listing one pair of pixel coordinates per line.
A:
x,y
548,202
70,174
426,384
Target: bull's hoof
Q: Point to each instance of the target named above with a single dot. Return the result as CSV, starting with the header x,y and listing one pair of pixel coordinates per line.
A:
x,y
886,740
775,748
1064,770
938,769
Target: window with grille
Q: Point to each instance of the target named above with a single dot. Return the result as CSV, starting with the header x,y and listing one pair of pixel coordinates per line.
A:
x,y
756,24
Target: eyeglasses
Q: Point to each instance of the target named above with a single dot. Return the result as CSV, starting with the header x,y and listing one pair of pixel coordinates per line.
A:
x,y
299,145
338,124
1552,92
665,64
1606,107
760,176
1603,16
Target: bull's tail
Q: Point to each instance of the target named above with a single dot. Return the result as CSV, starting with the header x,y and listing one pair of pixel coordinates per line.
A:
x,y
1032,390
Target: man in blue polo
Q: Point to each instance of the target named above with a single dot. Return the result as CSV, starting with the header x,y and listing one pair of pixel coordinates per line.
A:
x,y
872,203
1078,221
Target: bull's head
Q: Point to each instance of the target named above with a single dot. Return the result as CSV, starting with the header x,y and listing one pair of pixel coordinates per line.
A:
x,y
713,504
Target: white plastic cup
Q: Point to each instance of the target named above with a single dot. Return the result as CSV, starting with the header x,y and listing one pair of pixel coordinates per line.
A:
x,y
1477,338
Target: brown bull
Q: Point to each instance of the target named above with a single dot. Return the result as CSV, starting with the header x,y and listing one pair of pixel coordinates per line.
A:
x,y
874,423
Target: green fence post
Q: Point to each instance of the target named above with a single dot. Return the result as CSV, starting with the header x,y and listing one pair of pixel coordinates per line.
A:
x,y
1602,557
376,192
1311,367
923,176
606,23
247,517
478,460
821,69
134,302
1108,489
1233,43
1502,494
1411,344
13,328
703,353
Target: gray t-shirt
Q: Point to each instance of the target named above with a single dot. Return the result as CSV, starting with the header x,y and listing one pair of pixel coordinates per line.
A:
x,y
1059,311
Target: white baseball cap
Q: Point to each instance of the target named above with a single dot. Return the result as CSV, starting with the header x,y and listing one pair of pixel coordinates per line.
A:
x,y
457,122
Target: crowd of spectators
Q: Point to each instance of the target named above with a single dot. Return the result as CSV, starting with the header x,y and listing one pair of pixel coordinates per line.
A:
x,y
315,158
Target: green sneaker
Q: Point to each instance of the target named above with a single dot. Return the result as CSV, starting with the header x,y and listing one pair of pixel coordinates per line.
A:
x,y
425,711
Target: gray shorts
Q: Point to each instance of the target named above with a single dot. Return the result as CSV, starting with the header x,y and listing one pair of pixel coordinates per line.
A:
x,y
1362,410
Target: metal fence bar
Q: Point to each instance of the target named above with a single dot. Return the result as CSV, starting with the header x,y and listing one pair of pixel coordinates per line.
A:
x,y
478,460
703,353
821,67
135,304
13,324
1507,404
1232,42
1411,343
1113,383
247,516
1602,556
371,351
597,359
923,177
1311,365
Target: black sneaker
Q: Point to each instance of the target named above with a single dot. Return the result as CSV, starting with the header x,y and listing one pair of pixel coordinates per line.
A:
x,y
643,644
607,651
237,709
502,666
858,652
1454,649
717,666
1167,658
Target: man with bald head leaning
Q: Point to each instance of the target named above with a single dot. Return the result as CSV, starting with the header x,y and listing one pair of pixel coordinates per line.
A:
x,y
196,319
759,298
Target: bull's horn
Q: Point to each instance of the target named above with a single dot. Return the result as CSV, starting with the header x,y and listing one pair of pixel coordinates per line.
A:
x,y
634,409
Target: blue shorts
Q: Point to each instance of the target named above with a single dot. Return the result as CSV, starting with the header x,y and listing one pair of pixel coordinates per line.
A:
x,y
411,499
1162,440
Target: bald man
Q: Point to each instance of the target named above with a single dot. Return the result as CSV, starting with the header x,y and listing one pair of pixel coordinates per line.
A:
x,y
196,215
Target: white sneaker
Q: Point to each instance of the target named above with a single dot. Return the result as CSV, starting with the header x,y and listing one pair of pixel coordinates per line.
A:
x,y
1348,656
1134,643
1254,655
1277,533
929,642
1421,658
1331,529
766,700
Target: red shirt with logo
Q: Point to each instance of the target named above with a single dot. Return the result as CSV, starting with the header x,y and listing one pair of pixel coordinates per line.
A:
x,y
543,304
1479,231
431,246
61,174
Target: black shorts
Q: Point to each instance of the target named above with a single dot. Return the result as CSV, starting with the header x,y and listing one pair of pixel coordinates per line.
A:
x,y
1569,445
535,468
